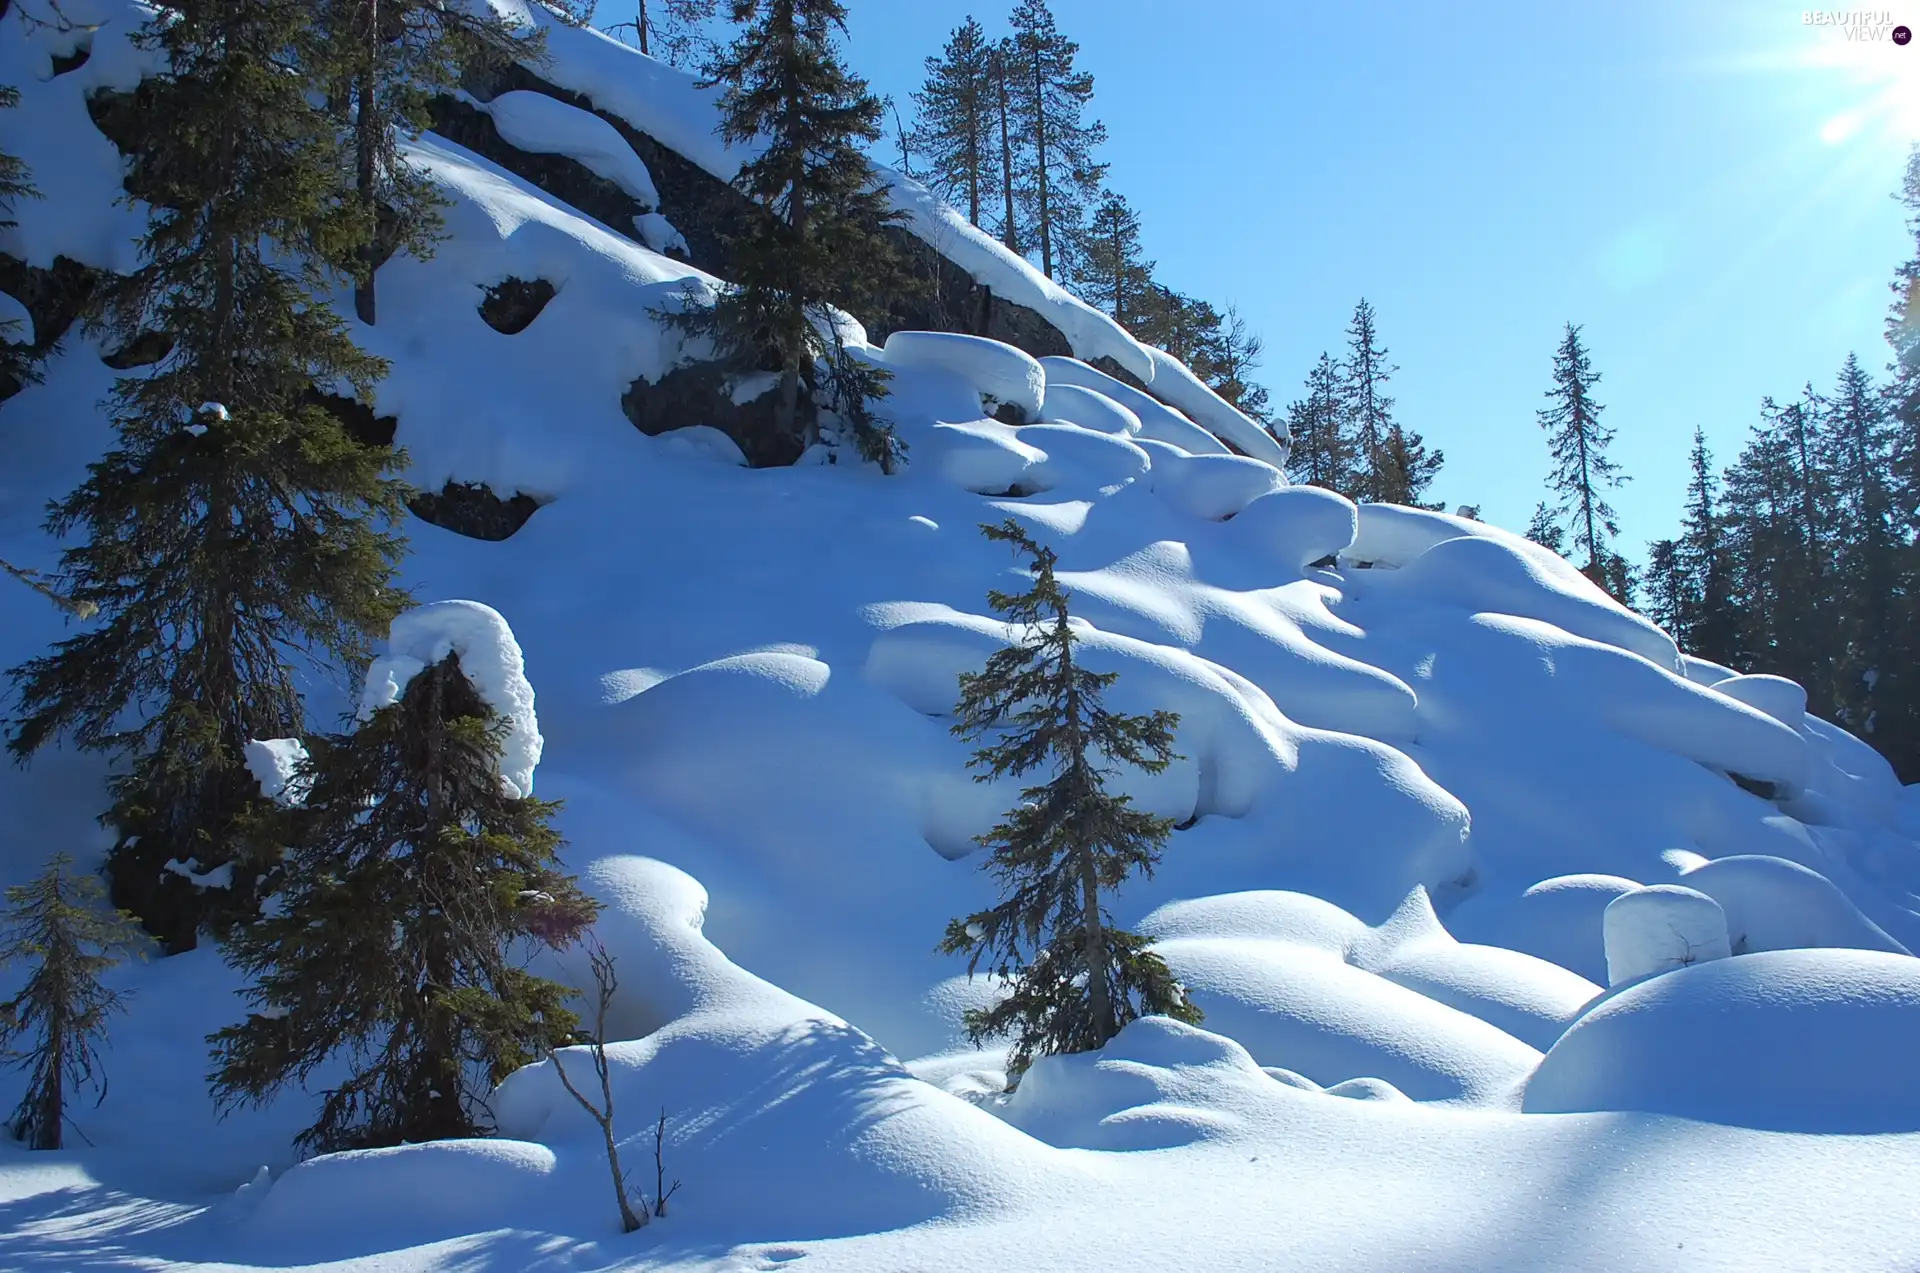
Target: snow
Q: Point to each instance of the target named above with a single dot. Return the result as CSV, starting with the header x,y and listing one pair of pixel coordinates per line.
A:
x,y
1655,929
1778,697
489,657
1773,904
991,368
543,125
1172,381
1408,797
16,324
274,763
1791,1040
1158,421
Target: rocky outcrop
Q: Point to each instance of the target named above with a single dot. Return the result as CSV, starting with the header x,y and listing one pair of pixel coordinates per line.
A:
x,y
700,394
472,509
512,304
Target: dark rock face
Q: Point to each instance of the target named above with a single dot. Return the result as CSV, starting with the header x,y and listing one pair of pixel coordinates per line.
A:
x,y
706,211
513,303
142,351
563,178
698,394
54,298
361,424
473,510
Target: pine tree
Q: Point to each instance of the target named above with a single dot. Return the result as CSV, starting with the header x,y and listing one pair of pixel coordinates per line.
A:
x,y
1545,529
1238,351
413,877
954,121
1058,175
390,58
1324,451
1582,473
824,240
1713,629
56,924
1011,232
234,528
1368,409
1758,528
1075,979
1187,328
670,29
16,364
1111,272
1405,468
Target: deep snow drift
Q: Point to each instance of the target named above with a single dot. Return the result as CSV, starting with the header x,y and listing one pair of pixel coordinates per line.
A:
x,y
1420,791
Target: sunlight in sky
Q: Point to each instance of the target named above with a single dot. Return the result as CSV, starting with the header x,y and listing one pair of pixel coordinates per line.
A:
x,y
1876,82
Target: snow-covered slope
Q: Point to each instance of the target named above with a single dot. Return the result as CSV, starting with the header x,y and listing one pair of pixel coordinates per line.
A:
x,y
1409,791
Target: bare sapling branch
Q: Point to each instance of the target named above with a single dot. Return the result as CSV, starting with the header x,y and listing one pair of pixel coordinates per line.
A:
x,y
604,983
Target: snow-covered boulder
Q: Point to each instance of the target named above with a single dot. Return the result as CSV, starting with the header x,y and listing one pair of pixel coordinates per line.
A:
x,y
1560,920
1778,697
1773,904
1659,928
996,370
1070,404
489,657
1158,421
1791,1040
1298,525
1210,487
544,125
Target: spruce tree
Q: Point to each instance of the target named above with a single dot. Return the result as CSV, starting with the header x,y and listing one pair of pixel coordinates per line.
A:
x,y
1111,271
1714,628
1758,528
1858,449
1058,175
389,59
824,240
1368,409
234,530
1405,468
955,114
413,880
57,925
1545,529
1324,451
1582,473
1670,599
1074,978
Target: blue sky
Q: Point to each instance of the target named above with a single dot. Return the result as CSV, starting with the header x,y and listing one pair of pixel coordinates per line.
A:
x,y
1705,187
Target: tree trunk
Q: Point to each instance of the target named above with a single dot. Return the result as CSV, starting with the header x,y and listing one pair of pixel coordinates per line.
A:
x,y
1010,234
1040,168
1095,934
365,143
642,24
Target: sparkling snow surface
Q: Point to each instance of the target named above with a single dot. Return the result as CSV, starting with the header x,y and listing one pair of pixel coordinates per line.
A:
x,y
1410,788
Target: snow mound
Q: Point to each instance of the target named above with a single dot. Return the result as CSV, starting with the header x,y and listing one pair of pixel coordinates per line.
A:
x,y
1503,574
1656,929
1778,697
542,125
1773,904
1158,421
994,369
1210,487
1298,526
409,1193
1801,1040
1090,409
1157,1084
489,657
1560,920
1313,1013
1172,381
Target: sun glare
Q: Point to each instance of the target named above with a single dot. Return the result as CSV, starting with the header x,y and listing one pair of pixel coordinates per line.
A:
x,y
1874,80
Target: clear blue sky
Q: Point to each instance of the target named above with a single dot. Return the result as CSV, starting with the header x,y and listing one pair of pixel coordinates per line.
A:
x,y
1705,186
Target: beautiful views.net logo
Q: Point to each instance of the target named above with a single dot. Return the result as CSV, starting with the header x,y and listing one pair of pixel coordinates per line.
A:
x,y
1858,24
